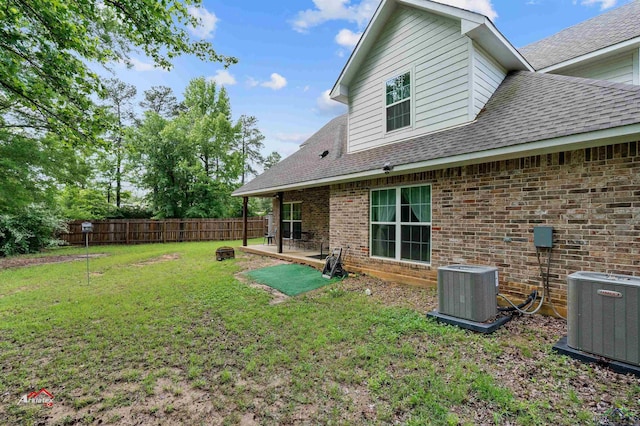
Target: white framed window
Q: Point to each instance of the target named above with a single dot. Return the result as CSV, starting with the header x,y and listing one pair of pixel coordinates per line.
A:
x,y
401,223
398,102
292,220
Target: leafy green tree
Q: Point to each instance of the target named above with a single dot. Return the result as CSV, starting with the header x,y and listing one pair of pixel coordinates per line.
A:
x,y
119,97
31,169
48,86
46,46
191,163
162,101
271,160
208,116
250,141
83,203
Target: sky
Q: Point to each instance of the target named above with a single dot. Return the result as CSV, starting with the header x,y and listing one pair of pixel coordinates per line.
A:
x,y
291,52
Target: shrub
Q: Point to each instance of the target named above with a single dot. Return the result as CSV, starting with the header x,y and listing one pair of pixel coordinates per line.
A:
x,y
30,230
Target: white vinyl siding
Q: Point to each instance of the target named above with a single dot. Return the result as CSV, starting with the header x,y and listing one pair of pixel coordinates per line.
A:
x,y
617,69
436,54
487,76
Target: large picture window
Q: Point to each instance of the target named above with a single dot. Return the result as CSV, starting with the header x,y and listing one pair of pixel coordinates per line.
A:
x,y
401,223
398,102
291,220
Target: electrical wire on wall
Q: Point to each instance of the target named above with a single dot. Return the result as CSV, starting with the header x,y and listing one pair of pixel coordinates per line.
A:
x,y
545,280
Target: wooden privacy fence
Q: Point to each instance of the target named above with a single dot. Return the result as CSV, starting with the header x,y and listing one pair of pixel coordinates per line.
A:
x,y
142,231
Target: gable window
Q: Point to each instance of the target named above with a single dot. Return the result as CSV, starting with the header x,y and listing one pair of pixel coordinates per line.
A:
x,y
291,220
401,223
398,102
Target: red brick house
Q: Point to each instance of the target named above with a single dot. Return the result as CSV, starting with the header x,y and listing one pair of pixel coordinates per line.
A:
x,y
457,144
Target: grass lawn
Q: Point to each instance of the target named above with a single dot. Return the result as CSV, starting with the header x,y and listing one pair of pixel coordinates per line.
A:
x,y
164,334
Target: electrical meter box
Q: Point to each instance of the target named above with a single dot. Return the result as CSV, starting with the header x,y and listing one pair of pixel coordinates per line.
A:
x,y
604,315
468,292
543,236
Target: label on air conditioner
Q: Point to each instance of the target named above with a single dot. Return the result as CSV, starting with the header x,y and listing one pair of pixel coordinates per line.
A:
x,y
610,293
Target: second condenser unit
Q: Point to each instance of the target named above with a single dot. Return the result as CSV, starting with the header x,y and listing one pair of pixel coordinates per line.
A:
x,y
468,292
604,315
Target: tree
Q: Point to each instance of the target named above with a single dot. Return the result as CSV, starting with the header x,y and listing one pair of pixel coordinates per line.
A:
x,y
250,141
161,100
271,160
47,49
47,44
31,169
119,96
208,117
191,163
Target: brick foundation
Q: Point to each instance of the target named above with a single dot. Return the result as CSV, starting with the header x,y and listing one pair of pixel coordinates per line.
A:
x,y
484,214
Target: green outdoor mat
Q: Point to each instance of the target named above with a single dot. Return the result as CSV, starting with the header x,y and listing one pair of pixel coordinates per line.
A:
x,y
290,279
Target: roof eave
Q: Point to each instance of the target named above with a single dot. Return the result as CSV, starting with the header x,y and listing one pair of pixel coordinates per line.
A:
x,y
491,39
609,50
620,134
476,26
384,10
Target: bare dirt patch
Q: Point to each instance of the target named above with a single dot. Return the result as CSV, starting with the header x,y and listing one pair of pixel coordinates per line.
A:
x,y
25,261
173,400
164,258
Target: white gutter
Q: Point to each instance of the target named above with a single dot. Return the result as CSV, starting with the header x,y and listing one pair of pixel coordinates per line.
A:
x,y
564,143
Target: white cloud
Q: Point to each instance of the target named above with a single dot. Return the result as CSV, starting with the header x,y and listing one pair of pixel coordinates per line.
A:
x,y
326,105
208,21
295,138
481,6
251,82
347,38
604,4
222,78
361,13
277,82
139,65
327,10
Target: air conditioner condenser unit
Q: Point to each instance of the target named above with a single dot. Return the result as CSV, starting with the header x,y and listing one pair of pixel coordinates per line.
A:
x,y
468,292
604,315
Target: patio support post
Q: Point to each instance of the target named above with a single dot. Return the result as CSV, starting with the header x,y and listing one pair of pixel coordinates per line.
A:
x,y
280,206
245,200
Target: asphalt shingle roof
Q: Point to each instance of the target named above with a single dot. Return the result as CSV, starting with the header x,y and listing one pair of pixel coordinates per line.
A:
x,y
527,107
616,26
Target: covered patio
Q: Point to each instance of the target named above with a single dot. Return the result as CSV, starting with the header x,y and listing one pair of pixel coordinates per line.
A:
x,y
299,254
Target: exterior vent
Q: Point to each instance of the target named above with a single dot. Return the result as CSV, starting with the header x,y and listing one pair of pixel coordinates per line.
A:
x,y
604,315
468,292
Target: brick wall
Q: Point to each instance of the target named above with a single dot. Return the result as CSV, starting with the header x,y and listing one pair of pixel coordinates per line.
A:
x,y
485,214
315,212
